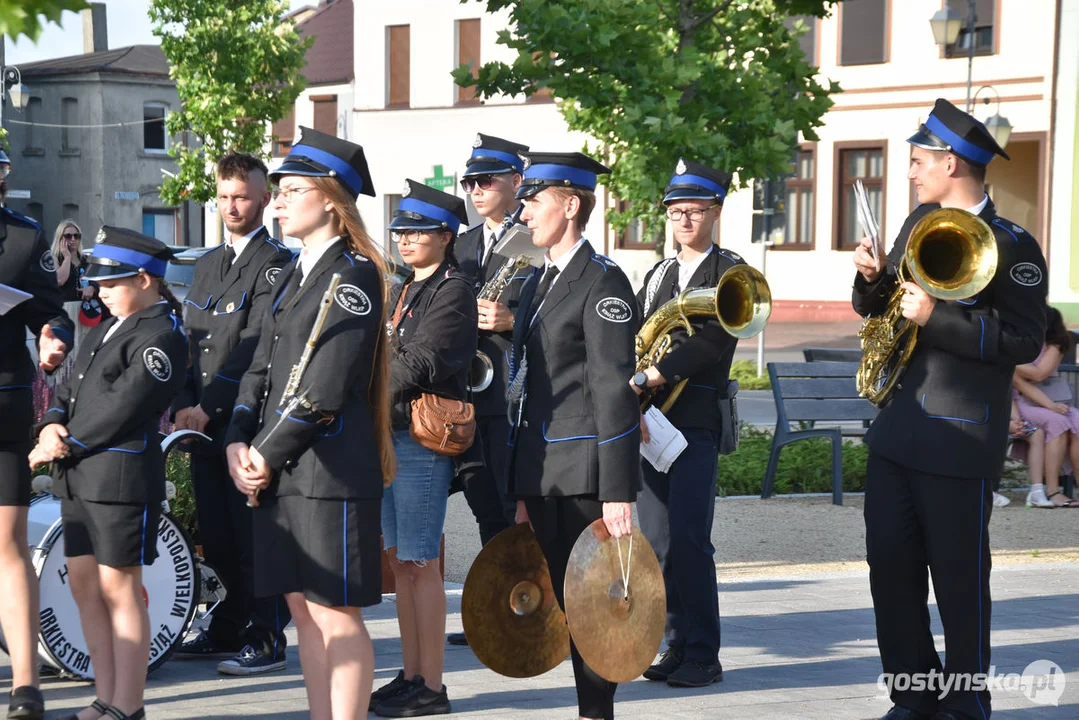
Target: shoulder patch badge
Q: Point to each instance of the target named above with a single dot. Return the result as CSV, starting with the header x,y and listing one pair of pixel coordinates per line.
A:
x,y
272,274
614,309
352,299
48,262
1027,274
157,362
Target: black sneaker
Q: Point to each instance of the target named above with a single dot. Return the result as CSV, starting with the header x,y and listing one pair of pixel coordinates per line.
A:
x,y
205,647
417,701
387,691
695,674
668,663
252,662
26,703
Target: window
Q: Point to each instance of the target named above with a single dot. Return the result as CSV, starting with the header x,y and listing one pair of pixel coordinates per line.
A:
x,y
468,53
808,41
161,224
284,133
154,138
71,211
398,85
33,115
863,32
985,17
392,203
635,236
865,162
800,197
69,115
325,113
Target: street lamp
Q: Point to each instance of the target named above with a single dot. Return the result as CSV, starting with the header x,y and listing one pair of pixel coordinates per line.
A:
x,y
946,24
12,86
997,125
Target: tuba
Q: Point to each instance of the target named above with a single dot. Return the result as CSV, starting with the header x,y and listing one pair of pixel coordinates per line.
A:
x,y
952,255
741,302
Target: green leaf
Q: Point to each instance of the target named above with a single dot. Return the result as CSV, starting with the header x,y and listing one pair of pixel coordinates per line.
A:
x,y
24,17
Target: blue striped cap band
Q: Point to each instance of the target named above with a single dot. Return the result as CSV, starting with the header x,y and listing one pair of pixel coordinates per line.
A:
x,y
434,212
961,146
505,157
700,181
576,176
149,263
345,172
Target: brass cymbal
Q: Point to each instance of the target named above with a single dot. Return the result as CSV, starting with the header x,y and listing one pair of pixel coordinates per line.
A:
x,y
508,607
617,633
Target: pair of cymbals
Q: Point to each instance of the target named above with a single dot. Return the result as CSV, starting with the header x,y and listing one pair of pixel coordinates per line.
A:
x,y
515,626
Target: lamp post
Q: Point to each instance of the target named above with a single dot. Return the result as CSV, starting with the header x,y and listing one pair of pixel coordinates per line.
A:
x,y
997,125
946,24
12,86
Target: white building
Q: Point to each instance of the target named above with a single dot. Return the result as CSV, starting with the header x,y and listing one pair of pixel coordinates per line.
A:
x,y
415,123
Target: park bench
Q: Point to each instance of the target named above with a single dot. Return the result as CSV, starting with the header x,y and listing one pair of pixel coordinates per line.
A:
x,y
815,392
832,354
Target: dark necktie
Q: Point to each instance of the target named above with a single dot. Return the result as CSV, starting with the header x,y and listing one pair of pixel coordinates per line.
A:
x,y
293,286
541,292
230,256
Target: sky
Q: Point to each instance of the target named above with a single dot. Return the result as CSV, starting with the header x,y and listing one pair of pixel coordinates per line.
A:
x,y
128,23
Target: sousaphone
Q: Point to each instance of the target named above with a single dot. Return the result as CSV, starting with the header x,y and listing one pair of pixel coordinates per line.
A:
x,y
508,607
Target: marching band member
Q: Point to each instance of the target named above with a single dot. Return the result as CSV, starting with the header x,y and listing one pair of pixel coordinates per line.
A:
x,y
433,330
676,508
321,460
575,446
110,471
232,288
936,448
26,264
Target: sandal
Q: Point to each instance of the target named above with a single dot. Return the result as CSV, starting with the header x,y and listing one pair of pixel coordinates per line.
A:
x,y
117,714
26,703
1068,504
98,704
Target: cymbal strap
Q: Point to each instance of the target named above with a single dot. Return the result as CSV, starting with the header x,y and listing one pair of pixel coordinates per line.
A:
x,y
627,567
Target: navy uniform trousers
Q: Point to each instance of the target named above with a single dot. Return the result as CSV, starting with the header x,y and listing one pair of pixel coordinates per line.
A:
x,y
675,510
916,520
485,483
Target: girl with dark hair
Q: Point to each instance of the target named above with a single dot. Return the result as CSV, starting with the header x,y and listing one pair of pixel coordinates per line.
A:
x,y
1045,401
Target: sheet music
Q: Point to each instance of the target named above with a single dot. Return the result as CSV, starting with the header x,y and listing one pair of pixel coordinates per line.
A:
x,y
866,219
517,241
665,442
10,297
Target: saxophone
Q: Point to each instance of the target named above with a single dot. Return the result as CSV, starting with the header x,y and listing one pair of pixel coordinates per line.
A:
x,y
741,302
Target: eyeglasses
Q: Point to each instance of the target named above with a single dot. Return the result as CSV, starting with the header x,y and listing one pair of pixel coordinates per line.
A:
x,y
485,182
412,236
289,195
697,215
72,236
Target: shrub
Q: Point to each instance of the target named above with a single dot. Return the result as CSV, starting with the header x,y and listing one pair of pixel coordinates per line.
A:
x,y
745,372
182,506
804,466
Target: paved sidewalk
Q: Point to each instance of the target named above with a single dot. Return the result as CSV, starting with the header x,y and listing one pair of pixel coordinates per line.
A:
x,y
795,646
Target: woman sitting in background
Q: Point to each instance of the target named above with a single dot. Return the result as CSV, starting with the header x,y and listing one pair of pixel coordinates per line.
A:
x,y
1045,401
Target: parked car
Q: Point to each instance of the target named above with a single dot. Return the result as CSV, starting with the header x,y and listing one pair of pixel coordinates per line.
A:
x,y
181,270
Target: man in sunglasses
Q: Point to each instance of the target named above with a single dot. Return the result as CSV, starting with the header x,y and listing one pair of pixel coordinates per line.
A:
x,y
676,507
491,178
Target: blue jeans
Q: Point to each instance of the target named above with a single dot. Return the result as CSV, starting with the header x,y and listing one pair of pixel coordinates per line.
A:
x,y
414,505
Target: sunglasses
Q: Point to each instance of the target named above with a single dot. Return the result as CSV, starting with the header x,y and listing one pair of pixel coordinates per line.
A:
x,y
72,236
485,182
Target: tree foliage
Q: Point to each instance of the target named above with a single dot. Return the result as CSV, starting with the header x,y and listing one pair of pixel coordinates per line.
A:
x,y
651,81
236,64
24,17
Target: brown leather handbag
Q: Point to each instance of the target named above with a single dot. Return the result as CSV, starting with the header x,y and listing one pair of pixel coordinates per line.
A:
x,y
442,425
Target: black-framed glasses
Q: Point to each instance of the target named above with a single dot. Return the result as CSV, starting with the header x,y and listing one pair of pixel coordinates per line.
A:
x,y
412,236
695,215
485,182
72,236
289,195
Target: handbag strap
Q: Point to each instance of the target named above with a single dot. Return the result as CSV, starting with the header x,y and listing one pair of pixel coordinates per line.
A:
x,y
400,302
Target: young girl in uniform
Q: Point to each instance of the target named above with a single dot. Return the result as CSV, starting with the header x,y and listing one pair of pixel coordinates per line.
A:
x,y
110,472
315,469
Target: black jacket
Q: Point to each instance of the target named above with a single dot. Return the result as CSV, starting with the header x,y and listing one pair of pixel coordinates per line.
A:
x,y
468,249
580,428
435,340
27,264
705,358
223,315
949,414
328,450
112,408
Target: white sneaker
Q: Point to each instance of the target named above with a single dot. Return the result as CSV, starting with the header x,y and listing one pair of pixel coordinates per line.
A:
x,y
1039,500
1000,501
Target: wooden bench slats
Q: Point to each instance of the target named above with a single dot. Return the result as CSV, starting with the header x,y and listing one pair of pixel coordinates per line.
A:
x,y
815,369
830,409
832,354
818,388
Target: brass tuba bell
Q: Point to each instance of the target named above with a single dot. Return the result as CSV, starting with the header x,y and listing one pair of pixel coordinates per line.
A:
x,y
952,255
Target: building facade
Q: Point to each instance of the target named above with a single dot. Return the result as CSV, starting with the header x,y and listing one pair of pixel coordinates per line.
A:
x,y
415,123
91,145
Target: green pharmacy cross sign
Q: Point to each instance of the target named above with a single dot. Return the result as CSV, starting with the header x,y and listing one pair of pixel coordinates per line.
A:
x,y
440,181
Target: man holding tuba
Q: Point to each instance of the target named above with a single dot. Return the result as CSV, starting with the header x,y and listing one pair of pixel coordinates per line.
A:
x,y
938,445
676,507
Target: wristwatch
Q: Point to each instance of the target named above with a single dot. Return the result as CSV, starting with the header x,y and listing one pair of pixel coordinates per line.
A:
x,y
640,380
